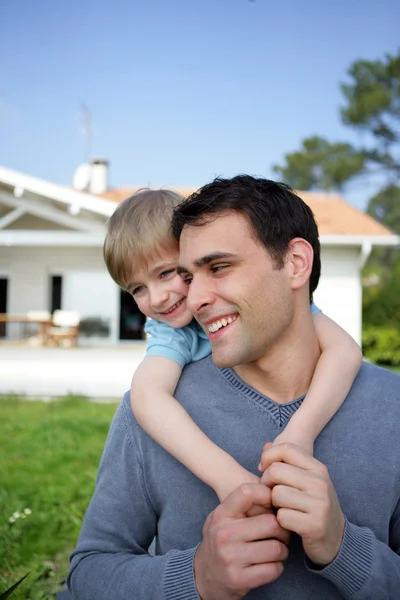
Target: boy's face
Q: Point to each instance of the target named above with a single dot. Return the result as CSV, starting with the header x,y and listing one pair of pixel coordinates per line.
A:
x,y
159,291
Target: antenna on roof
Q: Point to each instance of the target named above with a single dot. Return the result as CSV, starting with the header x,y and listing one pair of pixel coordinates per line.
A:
x,y
87,128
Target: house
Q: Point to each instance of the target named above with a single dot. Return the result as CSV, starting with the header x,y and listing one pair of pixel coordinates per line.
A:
x,y
51,254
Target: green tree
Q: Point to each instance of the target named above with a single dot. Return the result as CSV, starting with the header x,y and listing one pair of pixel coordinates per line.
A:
x,y
385,207
372,105
321,165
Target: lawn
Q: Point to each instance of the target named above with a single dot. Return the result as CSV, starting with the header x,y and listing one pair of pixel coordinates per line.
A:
x,y
48,464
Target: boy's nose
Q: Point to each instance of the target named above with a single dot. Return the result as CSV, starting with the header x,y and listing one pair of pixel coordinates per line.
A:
x,y
159,299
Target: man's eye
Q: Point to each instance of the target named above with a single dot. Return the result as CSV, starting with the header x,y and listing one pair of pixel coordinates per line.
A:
x,y
187,280
166,273
216,268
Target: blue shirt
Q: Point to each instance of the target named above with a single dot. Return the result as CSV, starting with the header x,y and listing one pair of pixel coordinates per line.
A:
x,y
185,345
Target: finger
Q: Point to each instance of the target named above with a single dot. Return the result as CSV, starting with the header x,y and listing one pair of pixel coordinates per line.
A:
x,y
294,520
282,473
264,551
242,499
265,448
256,528
289,497
257,509
290,454
257,575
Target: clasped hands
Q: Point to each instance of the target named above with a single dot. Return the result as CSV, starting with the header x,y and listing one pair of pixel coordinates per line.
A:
x,y
245,539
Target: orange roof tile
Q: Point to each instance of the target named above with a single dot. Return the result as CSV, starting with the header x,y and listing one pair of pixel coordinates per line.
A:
x,y
333,214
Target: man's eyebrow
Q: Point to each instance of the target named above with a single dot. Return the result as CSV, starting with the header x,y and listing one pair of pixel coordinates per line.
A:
x,y
207,259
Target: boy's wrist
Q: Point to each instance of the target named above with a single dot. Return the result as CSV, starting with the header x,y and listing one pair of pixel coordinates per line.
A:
x,y
232,479
303,424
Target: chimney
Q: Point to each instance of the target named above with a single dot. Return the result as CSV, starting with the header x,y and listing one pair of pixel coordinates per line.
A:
x,y
98,183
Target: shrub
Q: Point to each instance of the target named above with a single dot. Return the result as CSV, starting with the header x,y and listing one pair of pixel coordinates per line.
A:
x,y
381,345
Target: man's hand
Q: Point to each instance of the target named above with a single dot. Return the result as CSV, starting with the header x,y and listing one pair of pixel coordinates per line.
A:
x,y
239,553
306,500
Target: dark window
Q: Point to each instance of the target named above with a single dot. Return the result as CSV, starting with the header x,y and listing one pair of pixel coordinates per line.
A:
x,y
3,304
56,291
131,321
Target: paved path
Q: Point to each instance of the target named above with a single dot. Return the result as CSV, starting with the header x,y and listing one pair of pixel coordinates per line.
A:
x,y
101,373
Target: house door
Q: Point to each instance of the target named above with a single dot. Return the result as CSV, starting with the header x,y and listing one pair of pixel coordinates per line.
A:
x,y
131,321
3,304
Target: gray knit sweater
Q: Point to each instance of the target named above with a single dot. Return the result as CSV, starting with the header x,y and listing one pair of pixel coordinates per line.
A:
x,y
142,493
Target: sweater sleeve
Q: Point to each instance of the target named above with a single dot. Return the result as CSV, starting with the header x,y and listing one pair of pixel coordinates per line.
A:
x,y
111,559
365,567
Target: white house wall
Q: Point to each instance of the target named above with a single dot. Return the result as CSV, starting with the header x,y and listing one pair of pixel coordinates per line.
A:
x,y
30,269
339,293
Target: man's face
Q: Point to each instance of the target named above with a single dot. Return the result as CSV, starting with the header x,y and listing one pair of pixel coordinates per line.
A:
x,y
242,301
159,292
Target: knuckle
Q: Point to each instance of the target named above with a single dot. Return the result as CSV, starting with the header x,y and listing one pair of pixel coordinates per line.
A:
x,y
277,493
324,482
323,470
245,490
274,470
271,525
318,528
226,556
234,579
275,550
221,536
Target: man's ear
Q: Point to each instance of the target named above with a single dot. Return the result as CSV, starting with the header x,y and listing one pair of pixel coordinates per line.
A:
x,y
300,256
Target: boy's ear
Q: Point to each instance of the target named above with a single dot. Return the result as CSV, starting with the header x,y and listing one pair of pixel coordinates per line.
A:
x,y
300,257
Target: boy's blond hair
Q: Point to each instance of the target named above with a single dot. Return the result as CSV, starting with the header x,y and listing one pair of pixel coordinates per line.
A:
x,y
138,230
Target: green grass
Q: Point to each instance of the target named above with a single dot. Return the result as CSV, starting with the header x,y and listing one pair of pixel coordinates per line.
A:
x,y
48,464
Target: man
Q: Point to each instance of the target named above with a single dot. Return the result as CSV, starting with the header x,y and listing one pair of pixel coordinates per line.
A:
x,y
250,250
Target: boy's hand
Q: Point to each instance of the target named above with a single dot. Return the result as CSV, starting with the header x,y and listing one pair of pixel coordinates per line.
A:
x,y
241,477
302,439
299,438
234,480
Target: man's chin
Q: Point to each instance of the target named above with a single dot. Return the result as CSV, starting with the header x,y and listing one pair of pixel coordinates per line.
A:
x,y
224,361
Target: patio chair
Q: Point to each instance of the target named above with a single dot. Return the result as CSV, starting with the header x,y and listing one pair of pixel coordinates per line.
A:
x,y
35,326
65,328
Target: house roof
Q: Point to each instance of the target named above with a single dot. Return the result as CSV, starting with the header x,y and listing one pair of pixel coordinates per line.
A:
x,y
333,214
59,194
339,223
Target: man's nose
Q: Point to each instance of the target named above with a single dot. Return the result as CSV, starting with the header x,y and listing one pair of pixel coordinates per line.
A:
x,y
199,296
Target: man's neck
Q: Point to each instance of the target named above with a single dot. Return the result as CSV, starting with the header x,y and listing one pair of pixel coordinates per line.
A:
x,y
285,371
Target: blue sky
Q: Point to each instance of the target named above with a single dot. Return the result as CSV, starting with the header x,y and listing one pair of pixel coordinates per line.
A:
x,y
179,90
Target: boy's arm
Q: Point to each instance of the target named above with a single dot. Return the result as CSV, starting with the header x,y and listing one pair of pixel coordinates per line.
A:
x,y
336,370
168,423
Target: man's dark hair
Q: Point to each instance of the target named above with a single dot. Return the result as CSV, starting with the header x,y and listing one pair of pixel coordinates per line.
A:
x,y
275,212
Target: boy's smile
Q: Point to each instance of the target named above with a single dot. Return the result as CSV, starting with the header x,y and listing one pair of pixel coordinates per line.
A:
x,y
159,291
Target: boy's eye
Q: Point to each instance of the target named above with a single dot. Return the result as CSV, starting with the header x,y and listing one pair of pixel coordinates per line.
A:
x,y
166,273
187,279
137,290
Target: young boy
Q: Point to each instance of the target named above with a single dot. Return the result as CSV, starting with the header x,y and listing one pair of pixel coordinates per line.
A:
x,y
142,257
